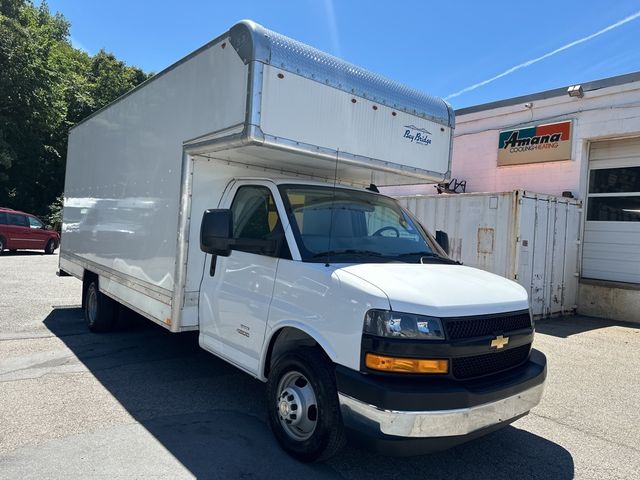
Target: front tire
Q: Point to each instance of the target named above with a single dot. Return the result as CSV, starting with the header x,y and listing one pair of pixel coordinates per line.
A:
x,y
2,244
99,310
304,411
50,247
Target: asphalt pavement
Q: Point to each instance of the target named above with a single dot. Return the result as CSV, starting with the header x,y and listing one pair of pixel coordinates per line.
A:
x,y
144,403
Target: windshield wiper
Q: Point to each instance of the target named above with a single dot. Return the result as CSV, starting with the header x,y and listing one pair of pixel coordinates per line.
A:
x,y
429,255
422,254
350,251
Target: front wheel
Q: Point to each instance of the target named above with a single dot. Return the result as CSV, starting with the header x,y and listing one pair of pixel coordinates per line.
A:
x,y
304,412
50,247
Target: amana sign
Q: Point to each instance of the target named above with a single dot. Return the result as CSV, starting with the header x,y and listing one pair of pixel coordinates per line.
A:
x,y
540,143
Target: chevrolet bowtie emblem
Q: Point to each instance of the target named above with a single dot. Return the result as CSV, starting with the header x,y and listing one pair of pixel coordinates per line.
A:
x,y
499,342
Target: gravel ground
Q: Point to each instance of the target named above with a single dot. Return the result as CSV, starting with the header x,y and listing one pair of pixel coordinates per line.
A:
x,y
142,403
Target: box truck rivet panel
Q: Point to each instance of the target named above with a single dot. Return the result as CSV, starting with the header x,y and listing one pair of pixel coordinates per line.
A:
x,y
235,194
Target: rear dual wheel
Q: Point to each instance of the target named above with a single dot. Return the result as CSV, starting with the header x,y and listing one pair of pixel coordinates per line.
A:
x,y
99,310
304,411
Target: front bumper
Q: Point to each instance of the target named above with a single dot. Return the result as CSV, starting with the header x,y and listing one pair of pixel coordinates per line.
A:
x,y
452,413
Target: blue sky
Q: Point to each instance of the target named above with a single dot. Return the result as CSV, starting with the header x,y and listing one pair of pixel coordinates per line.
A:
x,y
438,47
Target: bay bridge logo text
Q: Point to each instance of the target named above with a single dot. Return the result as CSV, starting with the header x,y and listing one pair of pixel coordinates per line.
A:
x,y
417,135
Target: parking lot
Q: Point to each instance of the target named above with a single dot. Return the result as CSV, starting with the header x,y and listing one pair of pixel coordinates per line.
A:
x,y
142,402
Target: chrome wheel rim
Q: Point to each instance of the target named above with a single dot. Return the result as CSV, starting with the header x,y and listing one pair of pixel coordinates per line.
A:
x,y
92,305
297,406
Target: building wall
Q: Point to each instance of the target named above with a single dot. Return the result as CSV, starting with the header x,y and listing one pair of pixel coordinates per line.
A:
x,y
602,300
474,160
605,113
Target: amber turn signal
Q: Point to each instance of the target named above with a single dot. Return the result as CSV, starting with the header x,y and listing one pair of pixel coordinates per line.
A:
x,y
405,365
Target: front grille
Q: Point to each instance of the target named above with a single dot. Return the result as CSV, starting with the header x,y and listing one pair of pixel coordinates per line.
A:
x,y
480,365
481,326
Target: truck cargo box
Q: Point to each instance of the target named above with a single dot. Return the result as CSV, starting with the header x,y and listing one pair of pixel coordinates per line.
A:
x,y
251,102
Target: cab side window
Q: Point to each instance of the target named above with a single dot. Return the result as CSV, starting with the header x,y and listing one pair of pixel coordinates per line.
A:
x,y
255,217
3,218
34,222
17,220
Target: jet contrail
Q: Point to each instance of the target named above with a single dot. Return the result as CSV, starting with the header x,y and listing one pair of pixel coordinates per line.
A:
x,y
546,55
333,27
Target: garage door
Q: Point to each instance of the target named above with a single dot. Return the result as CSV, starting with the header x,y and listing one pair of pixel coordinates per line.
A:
x,y
611,248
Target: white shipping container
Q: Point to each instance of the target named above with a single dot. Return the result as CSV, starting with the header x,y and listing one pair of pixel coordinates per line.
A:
x,y
531,238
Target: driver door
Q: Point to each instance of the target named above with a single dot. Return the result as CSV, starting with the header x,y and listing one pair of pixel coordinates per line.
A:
x,y
236,291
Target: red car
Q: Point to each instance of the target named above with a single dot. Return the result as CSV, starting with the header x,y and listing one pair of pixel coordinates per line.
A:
x,y
19,230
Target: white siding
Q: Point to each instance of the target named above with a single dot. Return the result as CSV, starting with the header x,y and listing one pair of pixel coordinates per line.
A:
x,y
611,248
615,153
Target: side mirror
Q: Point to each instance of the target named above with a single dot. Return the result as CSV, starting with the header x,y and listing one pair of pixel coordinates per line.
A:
x,y
216,232
443,240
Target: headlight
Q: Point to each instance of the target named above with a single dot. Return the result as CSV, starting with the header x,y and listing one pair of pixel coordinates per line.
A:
x,y
385,323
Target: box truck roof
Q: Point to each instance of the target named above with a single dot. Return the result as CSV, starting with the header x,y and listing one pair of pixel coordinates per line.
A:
x,y
255,42
257,98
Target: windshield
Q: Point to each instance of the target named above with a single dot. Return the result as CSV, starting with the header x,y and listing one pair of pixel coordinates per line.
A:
x,y
348,225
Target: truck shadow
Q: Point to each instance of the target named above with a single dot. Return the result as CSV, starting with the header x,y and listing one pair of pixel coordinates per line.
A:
x,y
564,327
211,416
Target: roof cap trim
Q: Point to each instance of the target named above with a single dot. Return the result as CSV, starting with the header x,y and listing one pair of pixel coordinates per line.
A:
x,y
253,42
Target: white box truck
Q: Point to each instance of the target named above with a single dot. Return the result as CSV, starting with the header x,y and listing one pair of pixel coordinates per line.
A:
x,y
234,194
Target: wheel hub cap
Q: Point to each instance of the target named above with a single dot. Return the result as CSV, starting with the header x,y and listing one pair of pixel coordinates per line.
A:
x,y
296,406
290,406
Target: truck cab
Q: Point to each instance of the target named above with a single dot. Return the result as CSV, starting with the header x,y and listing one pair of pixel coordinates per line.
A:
x,y
349,309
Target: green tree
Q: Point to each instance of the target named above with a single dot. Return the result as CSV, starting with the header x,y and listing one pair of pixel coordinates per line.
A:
x,y
31,105
111,78
46,86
